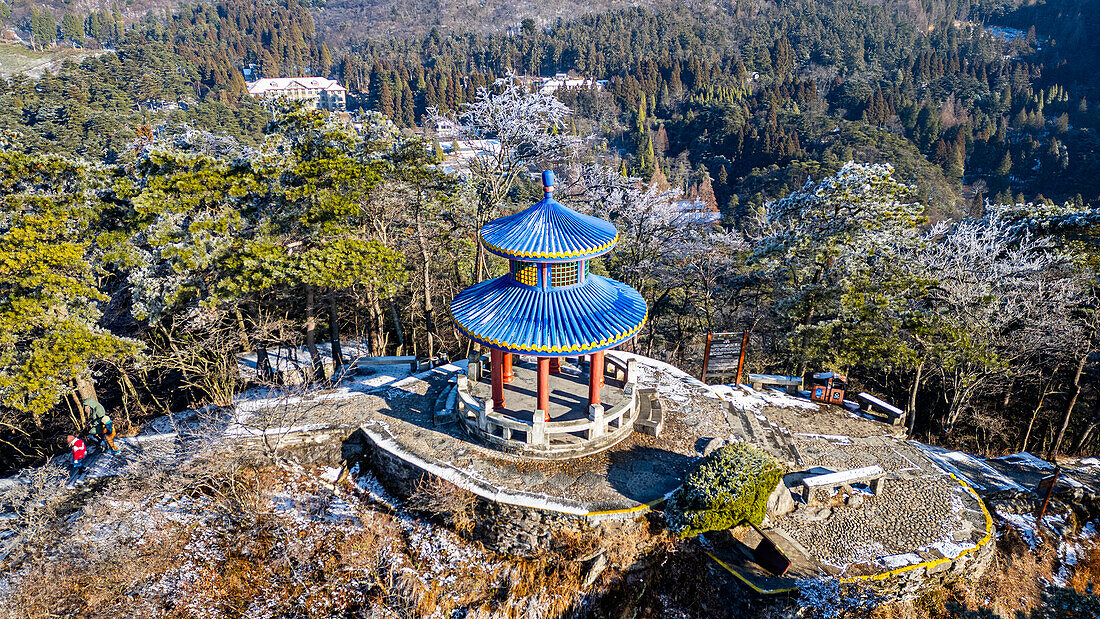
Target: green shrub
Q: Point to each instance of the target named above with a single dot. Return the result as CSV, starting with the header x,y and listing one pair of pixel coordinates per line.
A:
x,y
726,488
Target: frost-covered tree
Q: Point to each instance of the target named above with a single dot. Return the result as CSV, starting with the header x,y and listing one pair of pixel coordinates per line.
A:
x,y
509,129
1003,297
836,253
677,258
50,301
1070,328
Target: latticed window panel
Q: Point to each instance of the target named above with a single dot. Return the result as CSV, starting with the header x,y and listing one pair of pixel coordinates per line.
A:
x,y
525,272
563,274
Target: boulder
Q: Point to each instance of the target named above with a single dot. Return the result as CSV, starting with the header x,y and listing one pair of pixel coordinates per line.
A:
x,y
780,502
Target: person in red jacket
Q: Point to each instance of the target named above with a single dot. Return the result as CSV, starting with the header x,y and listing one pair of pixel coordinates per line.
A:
x,y
79,451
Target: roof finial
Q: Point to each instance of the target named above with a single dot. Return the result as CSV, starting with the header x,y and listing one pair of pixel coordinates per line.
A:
x,y
548,181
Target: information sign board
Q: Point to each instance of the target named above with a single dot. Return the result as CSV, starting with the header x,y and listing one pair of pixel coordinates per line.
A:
x,y
725,354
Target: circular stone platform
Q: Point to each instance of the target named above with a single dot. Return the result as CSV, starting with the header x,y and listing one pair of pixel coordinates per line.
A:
x,y
574,428
925,523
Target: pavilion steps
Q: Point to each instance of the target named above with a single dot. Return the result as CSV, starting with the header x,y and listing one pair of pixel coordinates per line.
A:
x,y
651,417
444,411
765,434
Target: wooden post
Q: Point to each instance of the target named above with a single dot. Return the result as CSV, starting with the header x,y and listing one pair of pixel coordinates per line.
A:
x,y
595,377
1046,499
498,377
509,374
543,387
555,365
740,359
706,358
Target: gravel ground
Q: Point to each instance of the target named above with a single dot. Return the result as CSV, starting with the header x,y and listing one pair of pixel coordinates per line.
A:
x,y
922,516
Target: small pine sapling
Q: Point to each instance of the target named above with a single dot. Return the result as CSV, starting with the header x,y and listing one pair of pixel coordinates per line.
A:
x,y
726,488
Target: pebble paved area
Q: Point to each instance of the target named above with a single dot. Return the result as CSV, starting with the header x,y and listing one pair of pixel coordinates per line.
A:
x,y
922,514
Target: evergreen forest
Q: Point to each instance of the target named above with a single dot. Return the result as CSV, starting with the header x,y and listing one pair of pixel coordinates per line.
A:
x,y
905,191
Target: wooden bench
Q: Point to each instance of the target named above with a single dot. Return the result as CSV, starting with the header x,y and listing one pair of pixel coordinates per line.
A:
x,y
790,384
873,474
892,413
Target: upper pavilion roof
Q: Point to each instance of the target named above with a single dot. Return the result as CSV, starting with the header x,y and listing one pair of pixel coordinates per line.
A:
x,y
549,231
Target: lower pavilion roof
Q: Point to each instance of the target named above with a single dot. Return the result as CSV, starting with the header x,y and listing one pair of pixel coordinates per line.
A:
x,y
597,314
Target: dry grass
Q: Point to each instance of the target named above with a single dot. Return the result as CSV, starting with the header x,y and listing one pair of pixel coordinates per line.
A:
x,y
453,506
1012,586
1086,578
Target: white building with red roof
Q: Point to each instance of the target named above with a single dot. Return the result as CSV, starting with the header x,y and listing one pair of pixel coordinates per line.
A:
x,y
314,92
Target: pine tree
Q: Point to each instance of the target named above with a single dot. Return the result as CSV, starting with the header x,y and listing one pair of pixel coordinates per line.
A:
x,y
72,28
705,189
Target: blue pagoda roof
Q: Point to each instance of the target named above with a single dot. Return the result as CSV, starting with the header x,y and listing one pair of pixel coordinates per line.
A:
x,y
549,231
503,314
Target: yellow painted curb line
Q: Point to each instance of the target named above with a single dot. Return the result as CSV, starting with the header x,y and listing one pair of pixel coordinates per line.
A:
x,y
628,510
935,562
746,581
900,570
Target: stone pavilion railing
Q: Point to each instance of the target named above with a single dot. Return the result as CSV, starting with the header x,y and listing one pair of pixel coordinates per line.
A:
x,y
555,439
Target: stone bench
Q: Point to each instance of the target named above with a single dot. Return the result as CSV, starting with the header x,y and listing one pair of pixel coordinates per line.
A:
x,y
790,384
892,413
872,474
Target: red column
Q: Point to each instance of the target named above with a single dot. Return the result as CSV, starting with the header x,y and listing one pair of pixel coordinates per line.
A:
x,y
555,365
497,358
544,387
595,376
509,375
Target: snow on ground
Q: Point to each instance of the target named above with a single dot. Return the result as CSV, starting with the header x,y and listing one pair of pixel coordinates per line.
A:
x,y
679,386
750,399
1024,458
440,553
969,467
672,382
832,438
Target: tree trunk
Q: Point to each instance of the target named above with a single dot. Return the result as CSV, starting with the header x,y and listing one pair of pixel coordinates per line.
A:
x,y
84,388
397,325
1069,407
1008,394
377,323
242,329
479,262
1043,393
1081,440
817,279
263,363
334,334
1080,443
311,336
426,275
76,410
911,412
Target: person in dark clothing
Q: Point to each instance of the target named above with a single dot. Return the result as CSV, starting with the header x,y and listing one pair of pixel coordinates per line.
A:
x,y
102,426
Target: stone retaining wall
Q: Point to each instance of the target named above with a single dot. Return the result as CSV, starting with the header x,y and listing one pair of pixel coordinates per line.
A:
x,y
311,446
503,527
908,582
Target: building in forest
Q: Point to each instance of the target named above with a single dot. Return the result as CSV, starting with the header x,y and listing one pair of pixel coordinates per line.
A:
x,y
315,92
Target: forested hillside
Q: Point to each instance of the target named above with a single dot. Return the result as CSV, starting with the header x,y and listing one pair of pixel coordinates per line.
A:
x,y
191,218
